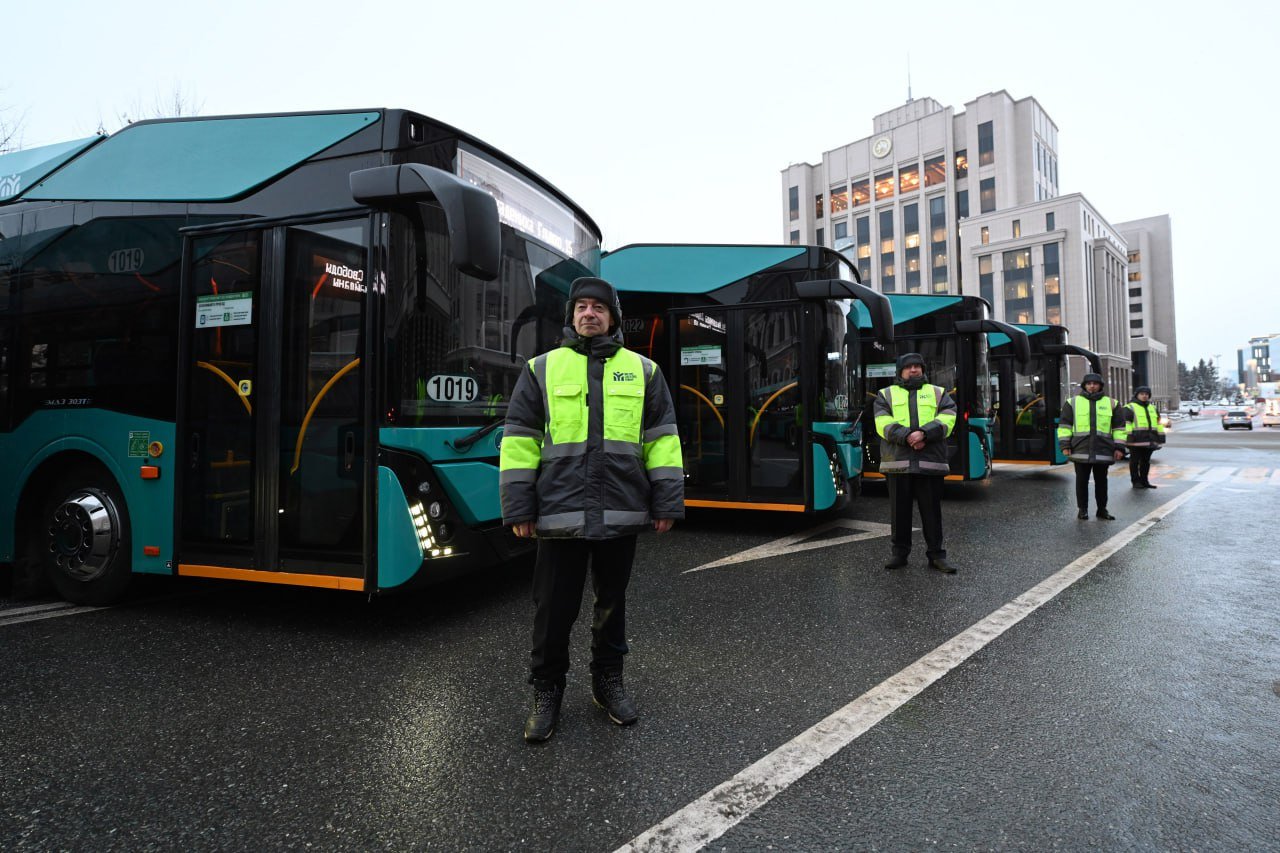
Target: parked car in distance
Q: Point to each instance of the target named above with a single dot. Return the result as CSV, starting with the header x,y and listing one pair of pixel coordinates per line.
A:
x,y
1237,418
1271,412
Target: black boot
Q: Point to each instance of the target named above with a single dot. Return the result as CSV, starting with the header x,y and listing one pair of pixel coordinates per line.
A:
x,y
1105,516
1147,485
545,714
897,561
941,564
608,692
1082,514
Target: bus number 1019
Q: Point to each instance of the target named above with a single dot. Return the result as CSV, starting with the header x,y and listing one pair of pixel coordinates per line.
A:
x,y
452,389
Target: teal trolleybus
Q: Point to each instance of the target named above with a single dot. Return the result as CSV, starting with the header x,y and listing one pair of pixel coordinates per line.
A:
x,y
950,332
762,360
1026,398
270,348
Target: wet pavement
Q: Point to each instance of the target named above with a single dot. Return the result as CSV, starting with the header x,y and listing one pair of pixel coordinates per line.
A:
x,y
1136,709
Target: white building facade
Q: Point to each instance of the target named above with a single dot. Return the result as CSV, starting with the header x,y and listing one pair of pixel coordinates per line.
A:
x,y
939,201
1152,318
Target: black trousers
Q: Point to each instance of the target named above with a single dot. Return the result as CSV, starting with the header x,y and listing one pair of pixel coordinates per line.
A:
x,y
1140,463
558,578
925,491
1099,472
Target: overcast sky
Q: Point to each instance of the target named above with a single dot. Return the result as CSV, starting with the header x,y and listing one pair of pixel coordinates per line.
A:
x,y
671,121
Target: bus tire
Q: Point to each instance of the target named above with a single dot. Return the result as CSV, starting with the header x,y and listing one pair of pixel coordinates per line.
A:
x,y
84,538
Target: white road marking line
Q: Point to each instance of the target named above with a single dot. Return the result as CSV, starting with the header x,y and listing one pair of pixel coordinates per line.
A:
x,y
723,807
1217,474
797,542
5,619
35,608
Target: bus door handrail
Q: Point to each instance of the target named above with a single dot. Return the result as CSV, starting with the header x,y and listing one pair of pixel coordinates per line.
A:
x,y
216,371
704,399
751,436
306,421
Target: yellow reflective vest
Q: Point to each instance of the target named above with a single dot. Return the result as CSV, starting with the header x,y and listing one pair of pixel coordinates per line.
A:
x,y
590,448
1142,425
898,412
1090,427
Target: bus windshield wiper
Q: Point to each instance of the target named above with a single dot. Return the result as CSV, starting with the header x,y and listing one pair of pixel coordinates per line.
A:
x,y
463,444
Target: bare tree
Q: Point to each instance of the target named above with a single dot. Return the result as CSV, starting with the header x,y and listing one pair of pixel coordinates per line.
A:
x,y
175,104
10,130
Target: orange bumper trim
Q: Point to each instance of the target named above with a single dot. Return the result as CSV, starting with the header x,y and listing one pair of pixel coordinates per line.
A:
x,y
286,578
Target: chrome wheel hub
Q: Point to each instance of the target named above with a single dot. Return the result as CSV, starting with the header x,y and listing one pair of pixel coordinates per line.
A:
x,y
84,534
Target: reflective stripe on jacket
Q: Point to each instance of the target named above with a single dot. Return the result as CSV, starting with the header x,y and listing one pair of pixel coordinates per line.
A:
x,y
1142,425
590,448
1090,428
900,411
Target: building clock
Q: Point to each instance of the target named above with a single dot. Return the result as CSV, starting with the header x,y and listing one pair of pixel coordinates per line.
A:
x,y
882,146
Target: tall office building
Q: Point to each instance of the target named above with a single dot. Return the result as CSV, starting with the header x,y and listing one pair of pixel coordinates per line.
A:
x,y
1259,362
1152,322
939,201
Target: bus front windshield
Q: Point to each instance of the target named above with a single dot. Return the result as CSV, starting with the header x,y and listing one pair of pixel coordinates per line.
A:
x,y
455,345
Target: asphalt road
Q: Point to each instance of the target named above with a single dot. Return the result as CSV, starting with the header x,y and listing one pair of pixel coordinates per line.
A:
x,y
1137,708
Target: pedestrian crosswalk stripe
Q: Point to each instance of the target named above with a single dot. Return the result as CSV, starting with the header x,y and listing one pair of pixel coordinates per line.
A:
x,y
1254,476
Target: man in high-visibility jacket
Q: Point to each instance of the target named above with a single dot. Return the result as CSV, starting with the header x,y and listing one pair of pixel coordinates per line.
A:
x,y
913,420
1143,435
590,457
1091,427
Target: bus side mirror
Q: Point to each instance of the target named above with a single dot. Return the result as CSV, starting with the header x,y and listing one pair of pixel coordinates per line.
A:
x,y
475,236
834,288
1017,337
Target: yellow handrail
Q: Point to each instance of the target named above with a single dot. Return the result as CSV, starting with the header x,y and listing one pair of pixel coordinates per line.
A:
x,y
302,432
751,436
703,397
227,379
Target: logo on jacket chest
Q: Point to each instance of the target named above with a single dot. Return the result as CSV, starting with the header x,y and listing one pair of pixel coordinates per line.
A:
x,y
620,376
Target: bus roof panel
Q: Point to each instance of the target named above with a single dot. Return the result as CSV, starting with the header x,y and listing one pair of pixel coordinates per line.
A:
x,y
689,269
999,339
193,160
906,306
22,169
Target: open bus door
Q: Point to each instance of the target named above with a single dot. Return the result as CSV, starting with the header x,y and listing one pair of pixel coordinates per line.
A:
x,y
983,431
1028,396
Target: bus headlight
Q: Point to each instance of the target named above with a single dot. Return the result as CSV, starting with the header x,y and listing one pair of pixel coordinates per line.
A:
x,y
435,510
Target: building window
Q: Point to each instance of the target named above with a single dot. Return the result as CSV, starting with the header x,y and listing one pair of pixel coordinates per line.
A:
x,y
820,236
986,144
908,179
935,171
884,186
1135,256
987,195
962,164
985,235
793,203
1052,289
862,228
1135,324
795,238
938,243
888,282
1048,221
1135,276
911,246
839,200
1018,300
1017,228
862,192
841,230
962,204
818,210
986,286
1135,292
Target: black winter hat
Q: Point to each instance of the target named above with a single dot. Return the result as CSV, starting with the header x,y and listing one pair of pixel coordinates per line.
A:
x,y
907,359
1092,377
595,288
1140,389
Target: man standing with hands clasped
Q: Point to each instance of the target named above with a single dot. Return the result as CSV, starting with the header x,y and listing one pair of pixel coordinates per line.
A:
x,y
1143,435
590,457
913,420
1092,424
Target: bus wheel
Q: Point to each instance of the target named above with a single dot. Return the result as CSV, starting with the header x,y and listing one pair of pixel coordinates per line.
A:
x,y
85,540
